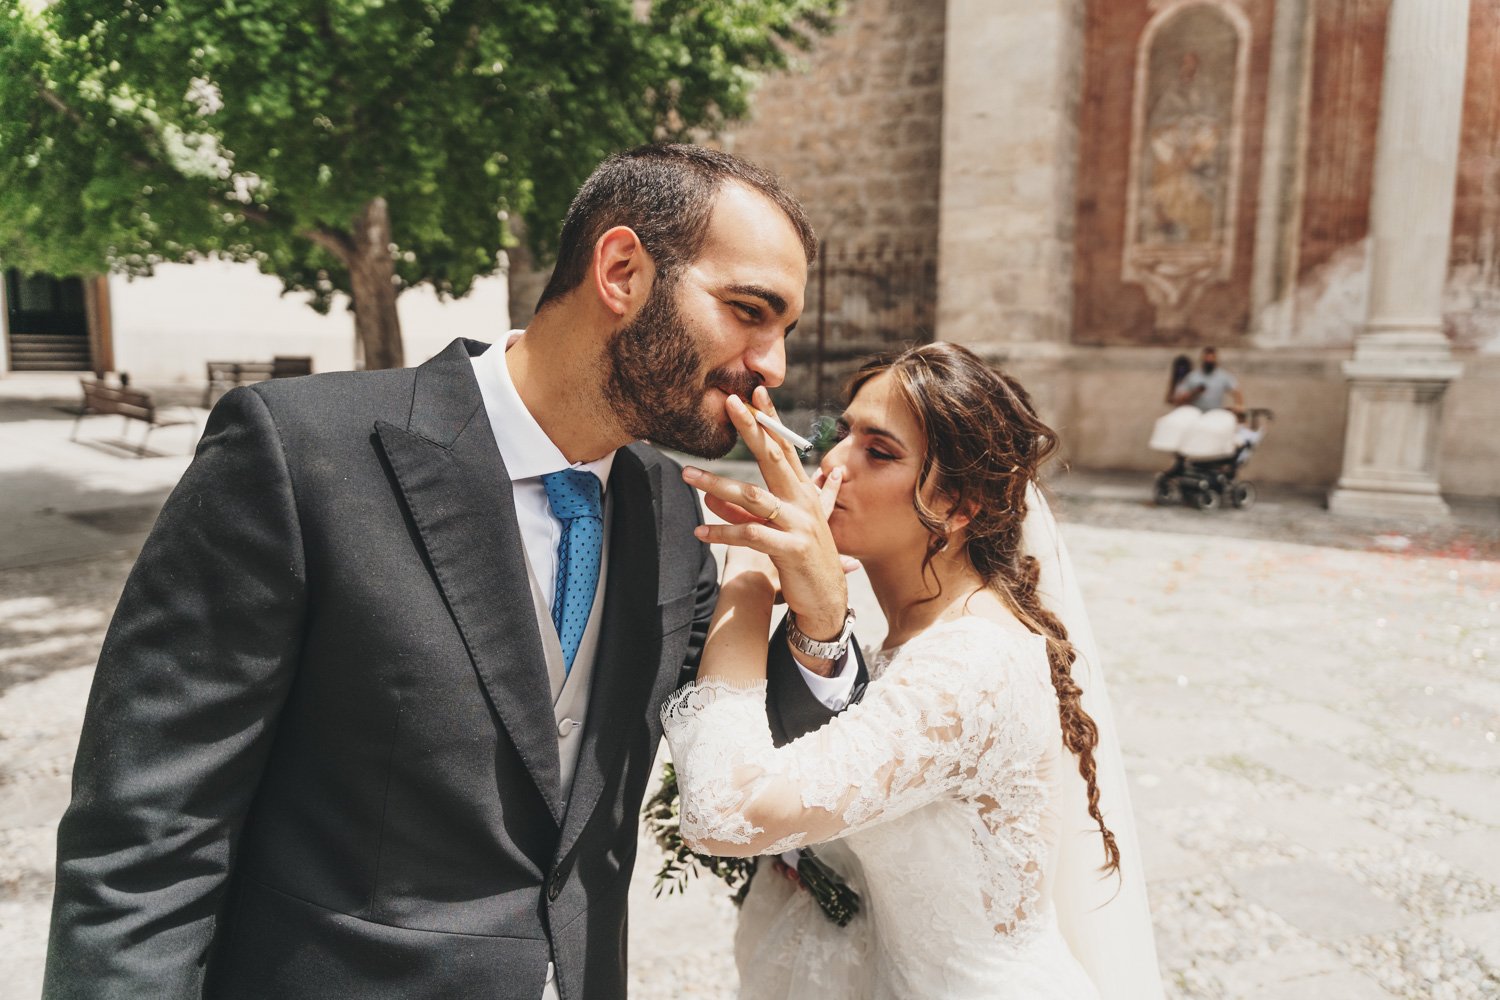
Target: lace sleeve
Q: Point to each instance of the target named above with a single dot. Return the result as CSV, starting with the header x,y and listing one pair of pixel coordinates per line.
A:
x,y
919,732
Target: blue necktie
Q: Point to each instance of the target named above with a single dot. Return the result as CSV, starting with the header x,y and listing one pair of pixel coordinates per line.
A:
x,y
576,498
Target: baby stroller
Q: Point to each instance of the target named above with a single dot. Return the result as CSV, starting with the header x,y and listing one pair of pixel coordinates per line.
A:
x,y
1209,449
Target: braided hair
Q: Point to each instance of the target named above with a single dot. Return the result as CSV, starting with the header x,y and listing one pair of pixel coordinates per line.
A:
x,y
985,445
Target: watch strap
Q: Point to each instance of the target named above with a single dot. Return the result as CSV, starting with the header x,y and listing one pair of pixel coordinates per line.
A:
x,y
829,650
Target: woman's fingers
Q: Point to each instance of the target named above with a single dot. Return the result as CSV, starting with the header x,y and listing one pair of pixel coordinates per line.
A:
x,y
754,535
731,512
757,501
828,489
829,495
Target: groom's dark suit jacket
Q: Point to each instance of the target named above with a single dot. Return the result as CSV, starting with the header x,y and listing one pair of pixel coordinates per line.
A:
x,y
319,758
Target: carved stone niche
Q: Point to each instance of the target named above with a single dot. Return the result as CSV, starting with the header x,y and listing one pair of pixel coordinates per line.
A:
x,y
1186,145
1175,277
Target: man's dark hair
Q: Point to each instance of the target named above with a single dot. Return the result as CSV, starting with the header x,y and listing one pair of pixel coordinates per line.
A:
x,y
665,193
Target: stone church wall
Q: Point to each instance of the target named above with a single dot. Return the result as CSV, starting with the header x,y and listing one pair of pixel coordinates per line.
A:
x,y
1332,197
1343,112
1171,134
1473,301
1331,298
856,129
1135,120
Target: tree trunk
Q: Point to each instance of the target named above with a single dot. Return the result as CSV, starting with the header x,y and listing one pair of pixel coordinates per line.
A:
x,y
372,278
525,281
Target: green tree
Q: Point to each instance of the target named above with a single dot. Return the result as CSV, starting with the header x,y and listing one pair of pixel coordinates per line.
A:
x,y
356,146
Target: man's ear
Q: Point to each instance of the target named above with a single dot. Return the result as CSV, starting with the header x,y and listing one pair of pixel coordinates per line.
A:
x,y
622,271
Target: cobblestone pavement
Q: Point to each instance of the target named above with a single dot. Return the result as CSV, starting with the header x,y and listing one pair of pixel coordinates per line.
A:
x,y
1311,730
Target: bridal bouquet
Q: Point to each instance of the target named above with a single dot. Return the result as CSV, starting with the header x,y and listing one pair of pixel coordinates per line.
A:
x,y
663,819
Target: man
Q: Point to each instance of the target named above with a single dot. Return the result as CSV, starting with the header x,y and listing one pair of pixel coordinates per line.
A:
x,y
1207,387
378,706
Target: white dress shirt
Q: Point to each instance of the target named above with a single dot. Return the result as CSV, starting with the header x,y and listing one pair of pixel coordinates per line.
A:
x,y
529,454
835,691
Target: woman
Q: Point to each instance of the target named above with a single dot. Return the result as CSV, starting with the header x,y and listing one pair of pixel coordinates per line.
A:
x,y
956,785
1181,366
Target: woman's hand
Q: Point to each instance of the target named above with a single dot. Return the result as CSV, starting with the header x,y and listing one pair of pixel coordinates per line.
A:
x,y
781,529
742,562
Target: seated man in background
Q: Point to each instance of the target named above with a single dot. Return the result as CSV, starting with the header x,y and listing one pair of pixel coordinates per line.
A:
x,y
1207,387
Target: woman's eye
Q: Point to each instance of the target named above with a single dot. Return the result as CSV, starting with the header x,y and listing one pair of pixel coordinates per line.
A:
x,y
879,455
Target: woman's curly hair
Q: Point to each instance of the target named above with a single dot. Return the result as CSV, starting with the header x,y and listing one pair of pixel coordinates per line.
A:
x,y
985,445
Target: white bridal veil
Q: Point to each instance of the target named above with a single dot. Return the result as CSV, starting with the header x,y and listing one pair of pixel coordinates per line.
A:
x,y
1105,918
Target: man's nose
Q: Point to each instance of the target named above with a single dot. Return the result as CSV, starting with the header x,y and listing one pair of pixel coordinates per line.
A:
x,y
768,360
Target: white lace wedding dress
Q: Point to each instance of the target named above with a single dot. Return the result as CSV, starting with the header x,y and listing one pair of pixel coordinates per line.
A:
x,y
937,791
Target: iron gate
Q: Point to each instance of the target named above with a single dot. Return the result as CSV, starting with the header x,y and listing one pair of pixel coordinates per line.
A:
x,y
860,302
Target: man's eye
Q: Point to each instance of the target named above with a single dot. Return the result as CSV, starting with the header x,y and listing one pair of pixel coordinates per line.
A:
x,y
749,312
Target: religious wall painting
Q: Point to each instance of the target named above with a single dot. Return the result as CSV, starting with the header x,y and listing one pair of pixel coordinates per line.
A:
x,y
1185,152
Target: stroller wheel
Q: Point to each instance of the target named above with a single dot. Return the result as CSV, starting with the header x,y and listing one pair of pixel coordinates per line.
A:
x,y
1165,491
1202,497
1242,496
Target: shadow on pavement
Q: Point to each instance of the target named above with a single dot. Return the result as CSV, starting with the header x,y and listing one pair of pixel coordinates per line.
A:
x,y
125,447
52,617
16,410
52,516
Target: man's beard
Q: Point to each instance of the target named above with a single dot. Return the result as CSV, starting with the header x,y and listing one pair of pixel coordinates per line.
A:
x,y
653,383
1209,366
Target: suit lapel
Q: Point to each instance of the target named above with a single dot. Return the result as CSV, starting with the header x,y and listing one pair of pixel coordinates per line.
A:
x,y
629,636
461,500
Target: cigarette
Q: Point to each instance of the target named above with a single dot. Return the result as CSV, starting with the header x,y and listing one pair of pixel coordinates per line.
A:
x,y
781,430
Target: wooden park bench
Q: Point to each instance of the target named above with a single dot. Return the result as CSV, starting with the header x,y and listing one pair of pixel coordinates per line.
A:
x,y
226,375
102,399
290,366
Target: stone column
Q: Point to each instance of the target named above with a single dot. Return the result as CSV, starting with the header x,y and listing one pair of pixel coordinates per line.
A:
x,y
1402,362
1278,223
1011,91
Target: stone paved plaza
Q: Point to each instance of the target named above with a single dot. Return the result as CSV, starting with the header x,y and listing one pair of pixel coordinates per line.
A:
x,y
1311,730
